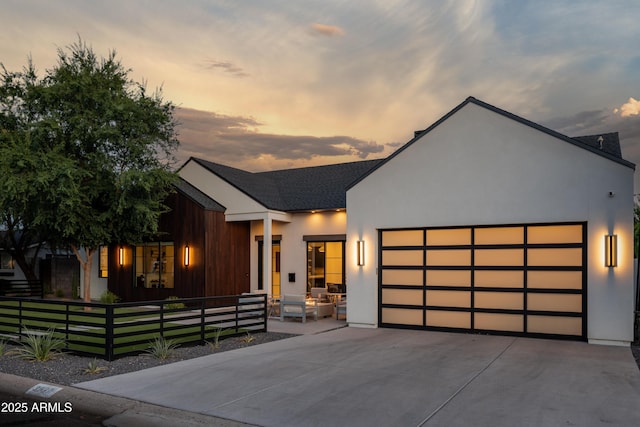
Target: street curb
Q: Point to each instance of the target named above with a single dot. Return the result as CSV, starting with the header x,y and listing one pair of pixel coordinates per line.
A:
x,y
118,411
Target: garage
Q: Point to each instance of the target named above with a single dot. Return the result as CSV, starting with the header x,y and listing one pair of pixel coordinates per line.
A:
x,y
486,222
527,280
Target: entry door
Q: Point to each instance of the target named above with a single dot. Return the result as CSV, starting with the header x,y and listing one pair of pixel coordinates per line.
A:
x,y
275,267
513,279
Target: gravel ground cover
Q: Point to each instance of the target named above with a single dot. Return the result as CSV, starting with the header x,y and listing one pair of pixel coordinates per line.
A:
x,y
68,369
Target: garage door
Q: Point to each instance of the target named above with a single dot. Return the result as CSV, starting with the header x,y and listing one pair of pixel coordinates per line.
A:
x,y
508,279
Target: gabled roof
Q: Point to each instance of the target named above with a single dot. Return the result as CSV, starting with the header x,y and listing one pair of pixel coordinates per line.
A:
x,y
610,147
198,196
294,190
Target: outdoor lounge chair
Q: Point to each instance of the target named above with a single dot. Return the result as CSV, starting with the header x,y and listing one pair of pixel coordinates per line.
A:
x,y
297,306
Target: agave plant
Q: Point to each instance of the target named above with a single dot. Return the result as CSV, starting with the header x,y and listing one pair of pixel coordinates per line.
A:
x,y
161,348
39,346
215,344
94,368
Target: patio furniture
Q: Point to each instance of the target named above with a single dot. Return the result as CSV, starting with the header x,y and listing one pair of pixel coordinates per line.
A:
x,y
341,306
298,306
324,304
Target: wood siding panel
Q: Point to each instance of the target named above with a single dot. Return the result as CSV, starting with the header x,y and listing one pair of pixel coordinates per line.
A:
x,y
219,255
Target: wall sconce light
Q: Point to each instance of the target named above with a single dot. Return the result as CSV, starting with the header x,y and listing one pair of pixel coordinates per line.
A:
x,y
187,255
360,253
121,256
611,250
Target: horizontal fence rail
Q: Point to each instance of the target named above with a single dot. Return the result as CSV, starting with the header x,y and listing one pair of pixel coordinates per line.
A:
x,y
110,331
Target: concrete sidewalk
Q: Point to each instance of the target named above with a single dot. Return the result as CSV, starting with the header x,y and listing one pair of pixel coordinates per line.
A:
x,y
372,377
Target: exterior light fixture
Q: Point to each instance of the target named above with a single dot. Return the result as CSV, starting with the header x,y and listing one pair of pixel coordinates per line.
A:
x,y
121,256
187,255
611,250
360,253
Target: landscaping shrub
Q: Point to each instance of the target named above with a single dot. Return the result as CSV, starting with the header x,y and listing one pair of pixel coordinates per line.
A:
x,y
39,346
174,304
161,348
109,297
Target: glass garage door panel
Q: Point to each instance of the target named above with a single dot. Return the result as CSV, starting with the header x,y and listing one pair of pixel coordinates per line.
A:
x,y
512,279
400,316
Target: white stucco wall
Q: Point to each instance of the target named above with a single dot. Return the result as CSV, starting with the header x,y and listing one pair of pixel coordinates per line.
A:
x,y
479,167
235,201
293,249
98,285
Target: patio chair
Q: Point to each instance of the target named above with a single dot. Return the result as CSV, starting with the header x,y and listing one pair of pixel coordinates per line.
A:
x,y
341,307
297,306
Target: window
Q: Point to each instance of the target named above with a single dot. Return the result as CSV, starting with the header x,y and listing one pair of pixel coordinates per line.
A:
x,y
104,261
154,265
325,265
6,261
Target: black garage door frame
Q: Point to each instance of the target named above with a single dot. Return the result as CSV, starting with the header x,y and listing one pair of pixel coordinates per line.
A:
x,y
472,309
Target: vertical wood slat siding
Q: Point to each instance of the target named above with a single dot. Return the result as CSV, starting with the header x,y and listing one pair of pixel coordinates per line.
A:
x,y
220,257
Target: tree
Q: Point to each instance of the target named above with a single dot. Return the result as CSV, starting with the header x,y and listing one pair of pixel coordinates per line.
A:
x,y
98,153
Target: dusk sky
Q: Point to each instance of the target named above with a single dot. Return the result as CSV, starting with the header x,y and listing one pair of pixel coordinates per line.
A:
x,y
273,84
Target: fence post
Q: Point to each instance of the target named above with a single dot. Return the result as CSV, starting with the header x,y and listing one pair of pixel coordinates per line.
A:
x,y
66,325
265,313
237,298
109,332
162,319
20,320
202,337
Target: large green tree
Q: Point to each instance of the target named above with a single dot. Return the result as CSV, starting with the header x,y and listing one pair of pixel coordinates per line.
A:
x,y
86,154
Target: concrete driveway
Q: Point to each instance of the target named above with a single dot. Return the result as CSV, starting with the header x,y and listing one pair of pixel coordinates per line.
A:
x,y
383,377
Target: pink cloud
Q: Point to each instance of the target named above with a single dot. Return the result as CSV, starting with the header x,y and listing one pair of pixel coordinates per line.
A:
x,y
630,108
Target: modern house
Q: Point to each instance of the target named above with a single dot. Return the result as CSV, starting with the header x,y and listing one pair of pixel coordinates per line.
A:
x,y
483,222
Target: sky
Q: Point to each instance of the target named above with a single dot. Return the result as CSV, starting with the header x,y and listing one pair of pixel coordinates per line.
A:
x,y
274,84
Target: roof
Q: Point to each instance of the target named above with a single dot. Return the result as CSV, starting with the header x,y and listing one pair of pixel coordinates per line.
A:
x,y
607,142
610,145
300,189
198,196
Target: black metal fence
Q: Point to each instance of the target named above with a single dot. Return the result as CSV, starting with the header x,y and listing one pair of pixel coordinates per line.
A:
x,y
110,331
21,288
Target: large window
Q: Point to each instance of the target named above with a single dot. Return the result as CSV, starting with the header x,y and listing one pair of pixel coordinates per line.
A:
x,y
154,265
325,265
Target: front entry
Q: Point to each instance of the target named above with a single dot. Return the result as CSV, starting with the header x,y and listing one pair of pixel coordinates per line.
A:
x,y
275,267
513,279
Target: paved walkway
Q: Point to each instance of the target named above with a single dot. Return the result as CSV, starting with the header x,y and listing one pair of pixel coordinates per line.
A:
x,y
383,377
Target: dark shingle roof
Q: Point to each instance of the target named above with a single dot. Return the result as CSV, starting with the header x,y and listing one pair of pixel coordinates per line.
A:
x,y
607,142
198,196
300,189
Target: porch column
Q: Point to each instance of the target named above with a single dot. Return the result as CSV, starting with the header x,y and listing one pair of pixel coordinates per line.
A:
x,y
267,253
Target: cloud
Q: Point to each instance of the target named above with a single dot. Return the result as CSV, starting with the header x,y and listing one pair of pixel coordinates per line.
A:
x,y
326,30
225,66
237,141
630,108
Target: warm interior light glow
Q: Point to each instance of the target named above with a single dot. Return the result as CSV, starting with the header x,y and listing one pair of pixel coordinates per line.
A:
x,y
121,256
186,256
360,252
611,250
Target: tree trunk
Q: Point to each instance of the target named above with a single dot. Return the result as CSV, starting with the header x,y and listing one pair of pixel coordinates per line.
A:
x,y
86,264
27,269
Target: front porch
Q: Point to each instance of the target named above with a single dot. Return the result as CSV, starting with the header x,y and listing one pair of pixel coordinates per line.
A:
x,y
311,327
